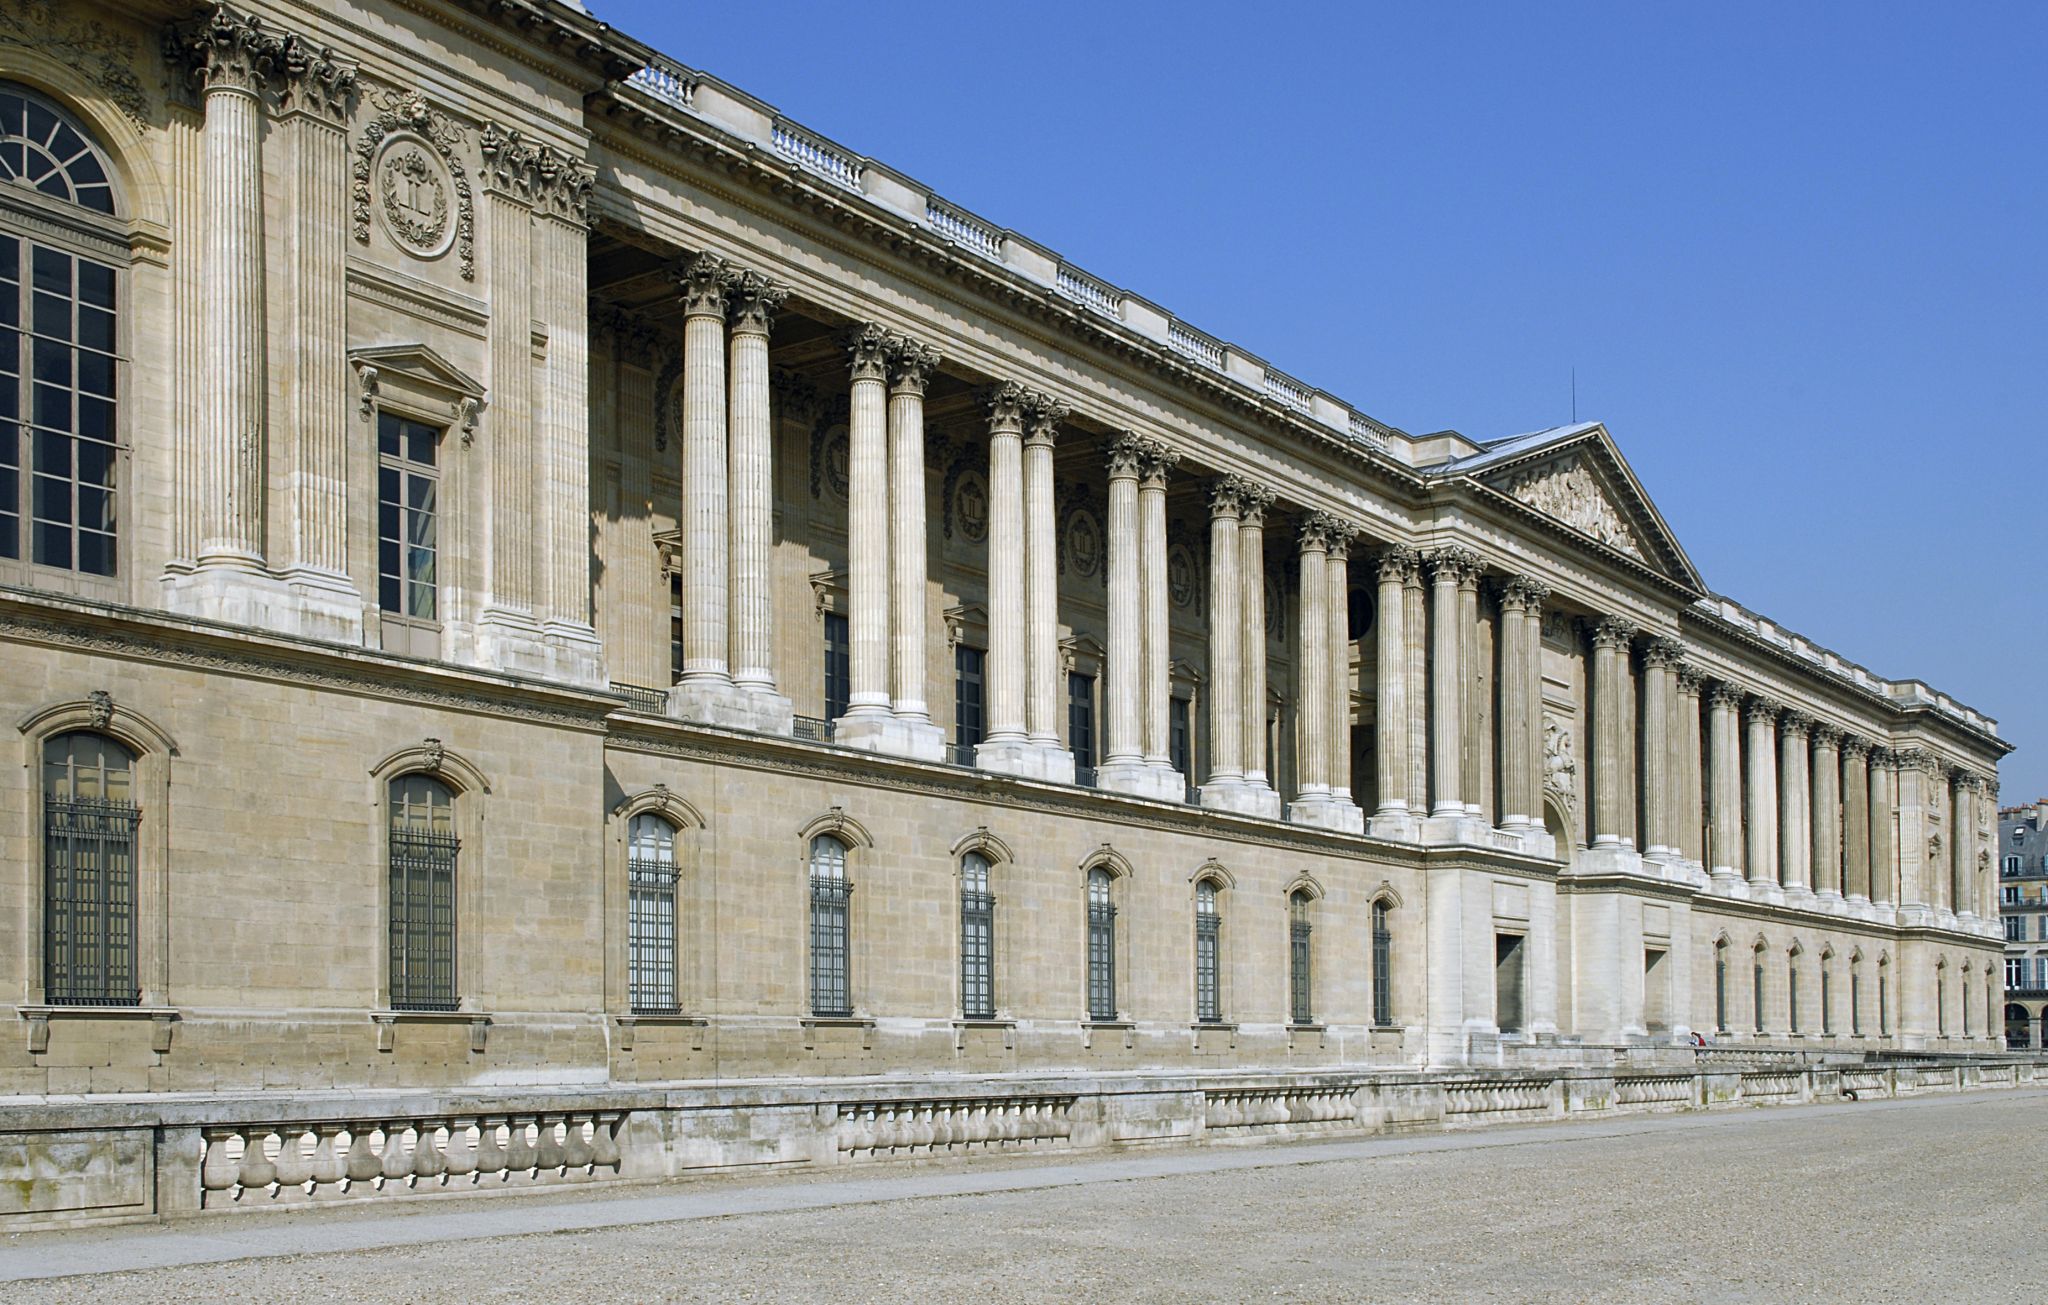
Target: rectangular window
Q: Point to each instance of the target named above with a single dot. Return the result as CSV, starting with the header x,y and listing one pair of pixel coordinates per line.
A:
x,y
2016,928
408,492
977,940
2015,972
968,664
89,879
2041,928
1827,999
1757,992
1179,737
2011,865
1507,982
1208,936
1656,991
831,895
1856,1001
423,854
2009,895
57,396
838,665
1101,947
1720,989
1081,725
1792,996
675,628
651,915
1300,954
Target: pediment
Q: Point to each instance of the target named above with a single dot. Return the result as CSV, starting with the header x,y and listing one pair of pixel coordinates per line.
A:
x,y
1582,482
420,364
416,381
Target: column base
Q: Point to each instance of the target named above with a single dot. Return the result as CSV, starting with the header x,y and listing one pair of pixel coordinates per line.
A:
x,y
890,735
1026,759
508,640
1609,858
1398,823
1141,780
1457,827
575,653
1326,811
1239,798
305,602
721,703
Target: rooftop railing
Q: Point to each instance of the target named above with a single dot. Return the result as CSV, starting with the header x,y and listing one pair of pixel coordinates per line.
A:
x,y
667,80
1086,290
814,153
963,228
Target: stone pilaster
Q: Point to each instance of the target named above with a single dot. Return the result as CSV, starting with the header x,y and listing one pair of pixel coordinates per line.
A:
x,y
1262,796
561,192
1795,789
1962,831
1471,700
1725,852
1611,638
1691,804
751,474
1856,818
1415,666
1393,817
1158,462
1762,757
868,713
1661,658
911,365
1225,784
1884,867
1827,812
1005,746
1043,696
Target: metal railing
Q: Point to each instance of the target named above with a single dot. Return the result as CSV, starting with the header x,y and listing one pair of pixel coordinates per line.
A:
x,y
642,698
1084,776
811,729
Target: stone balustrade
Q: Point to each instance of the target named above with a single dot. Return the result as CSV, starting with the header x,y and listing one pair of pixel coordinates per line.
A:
x,y
875,1129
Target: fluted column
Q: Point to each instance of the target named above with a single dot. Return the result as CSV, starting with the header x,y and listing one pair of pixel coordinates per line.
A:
x,y
706,509
867,523
1691,805
1471,723
1251,575
1415,670
1961,823
751,476
1041,588
1762,755
1856,818
1521,726
1007,510
1390,730
1337,622
561,301
1448,568
911,365
1883,869
1660,691
1311,665
1611,639
1226,646
1152,587
1827,811
1126,740
1726,856
1795,788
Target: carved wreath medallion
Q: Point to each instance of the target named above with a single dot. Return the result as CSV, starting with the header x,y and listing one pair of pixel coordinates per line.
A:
x,y
415,193
1084,542
1182,581
970,505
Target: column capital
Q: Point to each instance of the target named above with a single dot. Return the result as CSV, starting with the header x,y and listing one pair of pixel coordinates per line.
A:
x,y
228,50
1883,757
1795,724
1762,709
1826,736
868,348
1399,563
1315,530
1043,415
1008,403
1226,496
1341,533
1452,563
1690,679
910,364
1132,455
1855,745
1521,593
1724,694
1155,462
703,281
1252,501
755,300
1611,632
1665,652
535,174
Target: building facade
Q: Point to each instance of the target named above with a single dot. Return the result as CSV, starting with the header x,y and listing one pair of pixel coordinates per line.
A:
x,y
2023,905
519,565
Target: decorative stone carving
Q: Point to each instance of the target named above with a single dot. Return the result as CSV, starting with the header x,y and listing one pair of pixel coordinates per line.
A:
x,y
911,364
1762,709
1611,632
1226,495
1690,679
432,753
99,708
1520,593
1007,404
1795,724
830,454
408,167
1458,564
1662,651
1399,563
1724,694
755,301
1081,541
703,281
868,349
540,175
668,408
1183,576
1044,414
967,504
104,58
1127,454
1560,768
1155,462
1570,492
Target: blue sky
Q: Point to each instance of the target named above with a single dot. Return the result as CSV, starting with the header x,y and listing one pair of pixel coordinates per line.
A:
x,y
1795,252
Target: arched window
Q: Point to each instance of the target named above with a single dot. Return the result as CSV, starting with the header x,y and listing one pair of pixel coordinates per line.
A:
x,y
1382,966
424,848
1855,996
1827,995
977,939
1792,990
831,980
1884,996
651,914
59,354
1300,955
1208,946
1721,986
89,879
2018,1028
1964,994
1757,987
1101,946
1941,1001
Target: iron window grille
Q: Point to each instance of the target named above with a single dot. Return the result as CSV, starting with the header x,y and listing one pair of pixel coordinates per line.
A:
x,y
1382,967
1101,947
977,940
1720,990
89,902
1856,1002
1208,940
1757,995
831,894
424,849
1298,951
1792,995
651,878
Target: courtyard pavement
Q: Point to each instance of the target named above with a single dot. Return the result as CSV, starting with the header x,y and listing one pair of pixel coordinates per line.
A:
x,y
1872,1201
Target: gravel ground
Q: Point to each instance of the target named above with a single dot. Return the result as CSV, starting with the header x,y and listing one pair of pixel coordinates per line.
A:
x,y
1837,1203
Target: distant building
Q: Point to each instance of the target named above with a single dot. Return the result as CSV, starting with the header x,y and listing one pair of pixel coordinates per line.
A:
x,y
2023,902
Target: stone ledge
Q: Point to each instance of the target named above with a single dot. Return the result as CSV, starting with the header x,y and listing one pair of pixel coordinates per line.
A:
x,y
38,1017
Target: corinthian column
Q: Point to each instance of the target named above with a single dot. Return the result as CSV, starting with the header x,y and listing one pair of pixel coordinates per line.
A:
x,y
1856,818
1123,767
1415,665
1660,690
1611,639
1795,788
751,476
1337,621
867,536
1392,818
1158,676
1521,726
1448,568
1226,647
1883,868
911,365
1041,591
1827,812
705,508
1724,776
1004,746
1312,676
1763,792
1251,574
1960,828
1691,805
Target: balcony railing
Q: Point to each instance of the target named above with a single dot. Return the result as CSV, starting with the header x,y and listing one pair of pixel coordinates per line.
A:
x,y
1084,776
811,729
961,754
1290,392
641,698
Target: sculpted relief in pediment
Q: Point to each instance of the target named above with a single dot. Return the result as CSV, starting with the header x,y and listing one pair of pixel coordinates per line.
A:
x,y
1569,491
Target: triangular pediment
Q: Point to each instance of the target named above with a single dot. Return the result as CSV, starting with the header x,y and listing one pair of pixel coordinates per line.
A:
x,y
1578,478
419,363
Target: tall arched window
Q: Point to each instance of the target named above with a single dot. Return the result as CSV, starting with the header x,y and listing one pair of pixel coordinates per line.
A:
x,y
1792,990
424,848
1757,987
977,939
89,880
1855,995
1721,986
1941,1001
1300,954
1382,966
651,914
59,353
831,980
1827,994
1884,996
1101,946
1208,945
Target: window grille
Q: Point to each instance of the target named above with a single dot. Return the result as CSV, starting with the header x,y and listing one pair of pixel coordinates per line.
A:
x,y
968,664
1856,1001
838,665
651,878
1792,995
1382,967
1827,999
977,939
1299,987
423,855
1101,947
1081,720
1208,937
831,992
1720,990
1180,736
1757,995
89,881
